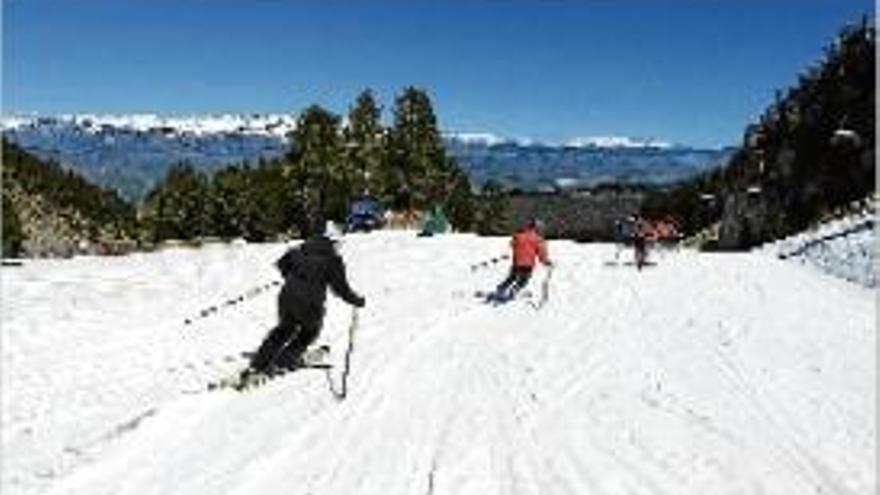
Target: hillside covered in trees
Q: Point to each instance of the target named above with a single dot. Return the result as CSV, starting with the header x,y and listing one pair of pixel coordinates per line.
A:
x,y
811,152
50,211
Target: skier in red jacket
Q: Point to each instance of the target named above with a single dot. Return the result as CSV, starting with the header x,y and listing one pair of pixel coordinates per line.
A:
x,y
528,246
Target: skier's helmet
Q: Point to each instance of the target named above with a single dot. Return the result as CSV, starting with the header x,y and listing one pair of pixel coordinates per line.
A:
x,y
332,232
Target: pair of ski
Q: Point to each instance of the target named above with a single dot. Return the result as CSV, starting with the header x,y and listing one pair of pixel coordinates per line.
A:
x,y
495,298
242,382
313,358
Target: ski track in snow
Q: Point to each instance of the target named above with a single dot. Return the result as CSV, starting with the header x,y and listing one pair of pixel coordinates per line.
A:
x,y
703,373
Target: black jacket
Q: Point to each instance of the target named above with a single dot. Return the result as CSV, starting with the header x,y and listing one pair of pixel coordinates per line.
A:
x,y
307,270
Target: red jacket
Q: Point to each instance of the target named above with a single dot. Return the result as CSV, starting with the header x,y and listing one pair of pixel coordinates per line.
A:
x,y
527,246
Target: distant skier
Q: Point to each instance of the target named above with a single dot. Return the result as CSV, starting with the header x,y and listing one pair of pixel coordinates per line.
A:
x,y
528,245
308,270
641,234
624,230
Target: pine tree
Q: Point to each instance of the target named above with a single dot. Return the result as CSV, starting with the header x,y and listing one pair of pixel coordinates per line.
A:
x,y
316,163
461,202
493,216
365,146
230,195
270,199
417,155
178,208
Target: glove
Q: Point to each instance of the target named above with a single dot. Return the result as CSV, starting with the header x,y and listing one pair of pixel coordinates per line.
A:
x,y
360,302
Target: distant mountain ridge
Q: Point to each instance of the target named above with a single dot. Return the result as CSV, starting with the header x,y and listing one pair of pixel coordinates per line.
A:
x,y
131,153
543,167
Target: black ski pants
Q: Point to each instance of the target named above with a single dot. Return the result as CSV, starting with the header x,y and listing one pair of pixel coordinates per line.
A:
x,y
641,250
517,279
285,344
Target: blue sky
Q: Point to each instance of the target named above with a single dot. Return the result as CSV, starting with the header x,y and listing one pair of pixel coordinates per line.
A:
x,y
685,71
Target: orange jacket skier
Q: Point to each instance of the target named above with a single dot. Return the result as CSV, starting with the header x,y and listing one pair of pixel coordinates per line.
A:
x,y
528,247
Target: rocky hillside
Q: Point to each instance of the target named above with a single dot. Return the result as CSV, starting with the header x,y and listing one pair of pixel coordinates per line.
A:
x,y
50,211
811,152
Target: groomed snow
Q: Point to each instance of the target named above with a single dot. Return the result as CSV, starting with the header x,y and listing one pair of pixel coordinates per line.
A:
x,y
702,374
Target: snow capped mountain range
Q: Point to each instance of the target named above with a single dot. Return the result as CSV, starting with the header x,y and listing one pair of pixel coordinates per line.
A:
x,y
618,142
132,152
477,138
273,125
263,124
490,139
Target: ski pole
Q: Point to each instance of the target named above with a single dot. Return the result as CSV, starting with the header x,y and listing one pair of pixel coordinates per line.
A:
x,y
351,329
484,264
248,294
545,287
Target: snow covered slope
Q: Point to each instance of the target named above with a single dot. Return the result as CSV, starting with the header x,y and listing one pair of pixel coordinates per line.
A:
x,y
702,374
844,247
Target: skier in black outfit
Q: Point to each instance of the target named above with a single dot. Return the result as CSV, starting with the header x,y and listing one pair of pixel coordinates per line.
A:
x,y
308,270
